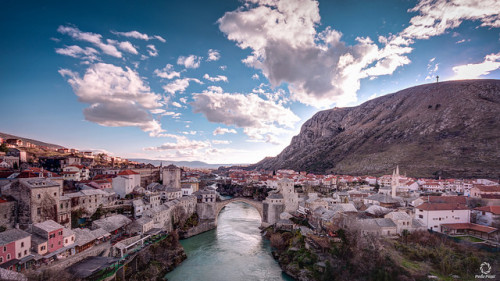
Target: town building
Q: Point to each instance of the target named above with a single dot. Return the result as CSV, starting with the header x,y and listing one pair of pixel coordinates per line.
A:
x,y
51,232
171,176
37,198
434,215
14,245
125,182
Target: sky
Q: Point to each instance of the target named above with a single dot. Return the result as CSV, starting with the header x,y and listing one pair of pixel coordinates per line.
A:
x,y
222,81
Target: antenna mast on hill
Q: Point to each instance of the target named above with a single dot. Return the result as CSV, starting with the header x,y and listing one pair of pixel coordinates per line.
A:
x,y
437,78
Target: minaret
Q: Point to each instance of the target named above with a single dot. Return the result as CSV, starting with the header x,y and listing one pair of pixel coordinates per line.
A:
x,y
395,181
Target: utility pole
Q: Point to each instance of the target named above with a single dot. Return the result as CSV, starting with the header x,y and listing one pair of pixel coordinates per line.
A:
x,y
437,79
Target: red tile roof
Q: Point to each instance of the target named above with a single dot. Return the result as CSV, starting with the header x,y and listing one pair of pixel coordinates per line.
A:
x,y
471,226
441,206
486,188
492,209
127,172
445,199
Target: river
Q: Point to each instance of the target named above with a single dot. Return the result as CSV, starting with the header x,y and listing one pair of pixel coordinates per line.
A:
x,y
234,251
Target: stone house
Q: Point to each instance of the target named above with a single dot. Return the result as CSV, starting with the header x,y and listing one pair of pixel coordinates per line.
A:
x,y
487,215
37,198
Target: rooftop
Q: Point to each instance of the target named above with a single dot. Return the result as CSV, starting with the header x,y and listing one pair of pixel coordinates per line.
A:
x,y
471,226
492,209
441,206
48,226
12,235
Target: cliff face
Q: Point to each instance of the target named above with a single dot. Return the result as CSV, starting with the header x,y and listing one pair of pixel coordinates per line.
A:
x,y
448,129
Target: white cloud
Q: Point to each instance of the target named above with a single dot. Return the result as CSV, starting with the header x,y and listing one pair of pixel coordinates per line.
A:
x,y
223,67
221,141
161,39
152,50
217,78
256,115
255,76
117,97
93,38
182,143
432,68
137,35
222,131
175,115
183,100
490,63
167,72
77,52
176,104
319,68
190,133
435,17
191,61
213,55
179,85
128,47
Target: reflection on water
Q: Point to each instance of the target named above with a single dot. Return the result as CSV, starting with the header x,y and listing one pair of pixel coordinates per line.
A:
x,y
234,251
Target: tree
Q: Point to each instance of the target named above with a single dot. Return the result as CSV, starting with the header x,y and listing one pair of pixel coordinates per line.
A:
x,y
3,147
277,241
405,234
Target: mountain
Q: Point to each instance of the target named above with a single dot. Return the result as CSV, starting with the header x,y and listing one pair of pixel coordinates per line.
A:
x,y
189,164
36,142
447,129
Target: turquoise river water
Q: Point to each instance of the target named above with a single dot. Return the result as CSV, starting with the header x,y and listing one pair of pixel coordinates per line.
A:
x,y
234,251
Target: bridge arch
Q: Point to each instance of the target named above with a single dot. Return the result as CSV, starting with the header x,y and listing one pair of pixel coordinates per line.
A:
x,y
256,204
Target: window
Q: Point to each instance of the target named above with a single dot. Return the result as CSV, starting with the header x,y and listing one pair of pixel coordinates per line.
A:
x,y
22,244
51,246
420,216
1,259
8,256
25,252
42,248
19,255
59,243
4,249
38,211
38,196
55,194
72,238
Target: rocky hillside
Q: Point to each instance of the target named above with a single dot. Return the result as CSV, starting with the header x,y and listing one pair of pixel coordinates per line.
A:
x,y
448,129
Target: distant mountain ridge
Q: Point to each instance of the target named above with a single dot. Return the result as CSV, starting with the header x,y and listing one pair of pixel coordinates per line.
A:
x,y
448,129
189,164
36,142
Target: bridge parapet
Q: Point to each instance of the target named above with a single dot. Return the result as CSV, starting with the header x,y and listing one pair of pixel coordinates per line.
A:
x,y
256,204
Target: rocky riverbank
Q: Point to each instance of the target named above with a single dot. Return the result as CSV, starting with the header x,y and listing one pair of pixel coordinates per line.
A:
x,y
202,226
157,260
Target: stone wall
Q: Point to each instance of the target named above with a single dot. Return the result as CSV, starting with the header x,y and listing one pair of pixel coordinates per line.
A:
x,y
203,226
8,214
206,211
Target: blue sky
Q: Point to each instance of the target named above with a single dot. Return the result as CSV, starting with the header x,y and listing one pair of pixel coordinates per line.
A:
x,y
222,81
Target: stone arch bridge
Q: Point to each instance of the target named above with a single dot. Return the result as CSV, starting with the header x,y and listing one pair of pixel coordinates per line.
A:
x,y
254,203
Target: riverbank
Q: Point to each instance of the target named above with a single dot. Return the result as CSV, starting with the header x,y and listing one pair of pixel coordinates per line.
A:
x,y
157,260
235,250
202,226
